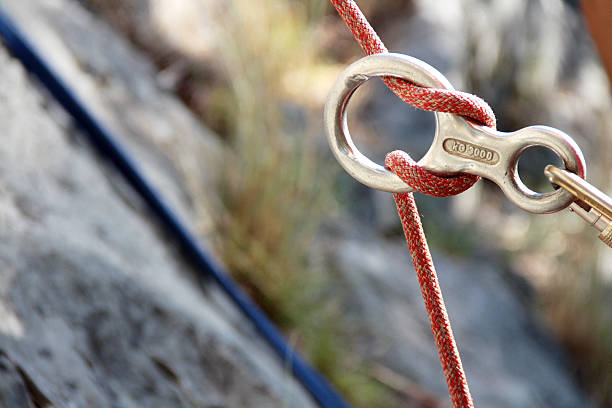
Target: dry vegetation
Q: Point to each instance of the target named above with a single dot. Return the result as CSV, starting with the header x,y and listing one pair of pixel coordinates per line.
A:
x,y
277,190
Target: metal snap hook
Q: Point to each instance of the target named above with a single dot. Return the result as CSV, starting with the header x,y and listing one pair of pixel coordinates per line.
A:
x,y
459,145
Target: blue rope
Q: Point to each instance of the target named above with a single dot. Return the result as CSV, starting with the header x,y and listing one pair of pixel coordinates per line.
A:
x,y
107,146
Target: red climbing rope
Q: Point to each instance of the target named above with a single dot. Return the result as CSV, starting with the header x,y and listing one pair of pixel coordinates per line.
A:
x,y
433,99
401,164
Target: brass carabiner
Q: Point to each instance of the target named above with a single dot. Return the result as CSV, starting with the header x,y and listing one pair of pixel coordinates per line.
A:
x,y
593,205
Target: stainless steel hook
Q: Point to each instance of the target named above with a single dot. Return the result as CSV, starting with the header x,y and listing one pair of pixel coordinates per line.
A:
x,y
459,145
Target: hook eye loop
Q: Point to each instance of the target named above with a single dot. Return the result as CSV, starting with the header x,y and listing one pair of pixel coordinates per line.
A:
x,y
352,160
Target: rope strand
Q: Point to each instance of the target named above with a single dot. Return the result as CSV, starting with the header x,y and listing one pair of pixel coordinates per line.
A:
x,y
433,99
402,165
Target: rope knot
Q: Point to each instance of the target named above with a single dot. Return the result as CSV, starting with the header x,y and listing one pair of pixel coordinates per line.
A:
x,y
422,180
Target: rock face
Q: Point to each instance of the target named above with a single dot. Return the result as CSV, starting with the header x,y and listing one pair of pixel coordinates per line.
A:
x,y
123,89
97,309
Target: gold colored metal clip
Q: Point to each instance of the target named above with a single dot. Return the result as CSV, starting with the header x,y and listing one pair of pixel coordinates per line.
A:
x,y
594,206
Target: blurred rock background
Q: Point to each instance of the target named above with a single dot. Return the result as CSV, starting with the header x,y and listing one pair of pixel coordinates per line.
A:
x,y
221,102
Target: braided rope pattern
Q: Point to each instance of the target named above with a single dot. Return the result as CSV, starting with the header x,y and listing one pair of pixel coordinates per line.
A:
x,y
400,163
434,302
411,173
415,176
431,99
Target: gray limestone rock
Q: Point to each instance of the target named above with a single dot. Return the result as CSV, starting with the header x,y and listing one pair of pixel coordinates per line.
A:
x,y
97,307
122,88
13,389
